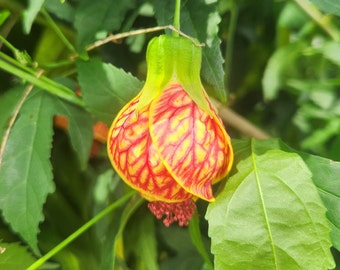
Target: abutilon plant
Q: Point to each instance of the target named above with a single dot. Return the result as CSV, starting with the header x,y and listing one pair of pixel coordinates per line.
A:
x,y
168,143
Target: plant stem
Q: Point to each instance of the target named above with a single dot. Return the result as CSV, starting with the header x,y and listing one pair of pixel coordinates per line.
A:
x,y
177,16
7,44
230,43
42,82
322,20
81,230
57,30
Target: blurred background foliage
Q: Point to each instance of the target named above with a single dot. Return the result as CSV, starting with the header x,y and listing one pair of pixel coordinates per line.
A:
x,y
282,73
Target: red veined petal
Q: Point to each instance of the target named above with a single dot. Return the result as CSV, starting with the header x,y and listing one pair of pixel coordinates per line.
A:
x,y
134,157
193,145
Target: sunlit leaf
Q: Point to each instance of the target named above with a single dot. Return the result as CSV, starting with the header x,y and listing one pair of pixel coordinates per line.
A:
x,y
14,256
269,215
325,175
4,14
105,88
26,173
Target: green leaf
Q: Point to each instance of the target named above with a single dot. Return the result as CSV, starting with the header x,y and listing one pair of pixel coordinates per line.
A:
x,y
30,13
325,175
196,238
200,19
14,256
105,88
63,10
269,215
93,21
142,240
8,102
279,68
26,173
79,129
329,6
4,14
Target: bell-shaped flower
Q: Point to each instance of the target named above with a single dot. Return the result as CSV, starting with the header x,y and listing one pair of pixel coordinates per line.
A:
x,y
168,142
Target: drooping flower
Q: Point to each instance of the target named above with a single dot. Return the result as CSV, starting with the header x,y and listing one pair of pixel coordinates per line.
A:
x,y
168,142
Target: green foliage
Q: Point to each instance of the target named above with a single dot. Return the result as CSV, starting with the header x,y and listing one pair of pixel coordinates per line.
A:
x,y
14,256
105,88
269,215
63,207
329,6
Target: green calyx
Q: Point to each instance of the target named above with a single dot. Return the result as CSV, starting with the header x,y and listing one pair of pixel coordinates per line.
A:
x,y
173,59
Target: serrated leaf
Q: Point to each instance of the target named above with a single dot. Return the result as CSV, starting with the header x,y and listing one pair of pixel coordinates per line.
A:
x,y
14,256
30,13
200,19
92,19
105,88
212,71
270,216
329,6
26,173
8,102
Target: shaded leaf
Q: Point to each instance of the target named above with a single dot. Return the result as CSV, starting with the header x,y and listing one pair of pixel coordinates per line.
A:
x,y
93,21
200,19
329,6
63,10
105,88
79,129
30,13
196,238
142,242
269,215
8,102
13,256
26,173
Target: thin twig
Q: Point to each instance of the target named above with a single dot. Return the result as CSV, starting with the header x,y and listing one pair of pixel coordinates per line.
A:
x,y
116,37
15,115
231,118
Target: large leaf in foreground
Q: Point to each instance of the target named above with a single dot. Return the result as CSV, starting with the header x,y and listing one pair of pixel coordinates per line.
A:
x,y
325,175
105,88
270,216
26,173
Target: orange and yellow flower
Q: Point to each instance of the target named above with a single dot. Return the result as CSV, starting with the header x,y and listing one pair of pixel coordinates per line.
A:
x,y
168,142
